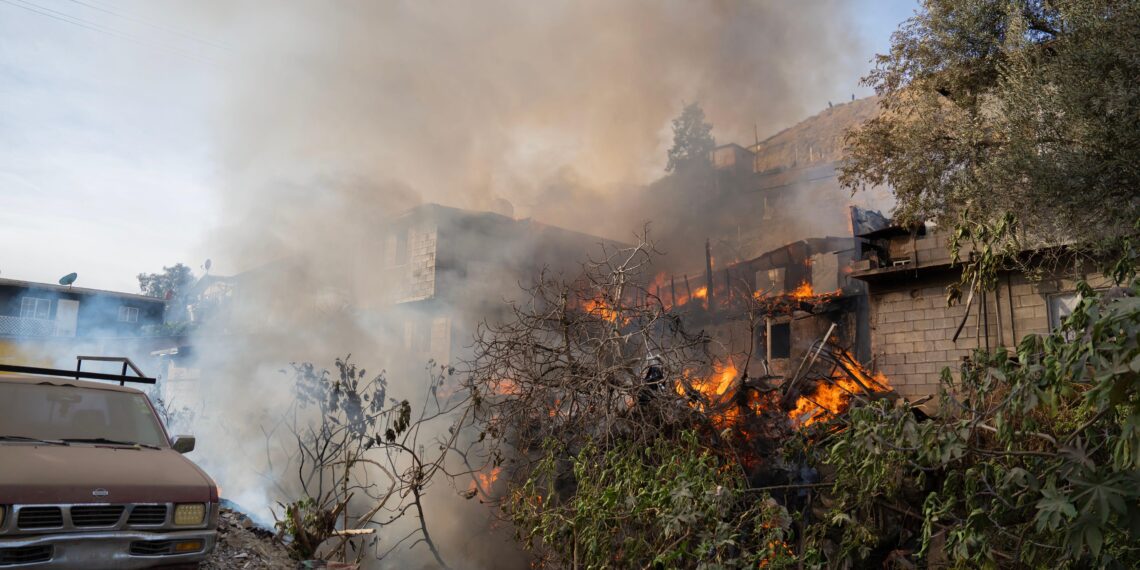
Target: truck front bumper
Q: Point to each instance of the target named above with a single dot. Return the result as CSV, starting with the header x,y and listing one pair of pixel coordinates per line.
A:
x,y
111,549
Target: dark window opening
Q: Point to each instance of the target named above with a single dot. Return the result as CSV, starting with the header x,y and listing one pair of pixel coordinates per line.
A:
x,y
781,341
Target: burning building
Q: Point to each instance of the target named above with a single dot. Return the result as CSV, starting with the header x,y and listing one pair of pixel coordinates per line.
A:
x,y
448,269
417,292
756,199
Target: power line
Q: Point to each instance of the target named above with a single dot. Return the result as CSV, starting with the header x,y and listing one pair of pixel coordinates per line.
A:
x,y
64,17
162,27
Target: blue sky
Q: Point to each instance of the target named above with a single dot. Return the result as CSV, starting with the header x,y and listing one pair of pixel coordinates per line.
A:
x,y
108,168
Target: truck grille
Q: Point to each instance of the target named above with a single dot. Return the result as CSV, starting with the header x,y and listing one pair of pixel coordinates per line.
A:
x,y
25,554
147,515
151,547
40,517
95,515
86,516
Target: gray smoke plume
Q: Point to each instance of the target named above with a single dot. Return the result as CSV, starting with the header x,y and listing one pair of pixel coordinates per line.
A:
x,y
552,106
339,116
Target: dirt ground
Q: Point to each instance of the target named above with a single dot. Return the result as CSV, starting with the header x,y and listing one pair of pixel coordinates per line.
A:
x,y
242,545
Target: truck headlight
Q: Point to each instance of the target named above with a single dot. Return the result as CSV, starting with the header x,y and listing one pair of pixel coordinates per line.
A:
x,y
189,514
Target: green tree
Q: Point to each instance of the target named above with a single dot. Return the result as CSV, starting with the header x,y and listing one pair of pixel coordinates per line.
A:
x,y
1032,460
170,284
673,504
692,140
1021,110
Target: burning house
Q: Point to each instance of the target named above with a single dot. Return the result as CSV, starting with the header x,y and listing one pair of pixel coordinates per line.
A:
x,y
448,269
756,199
777,235
416,293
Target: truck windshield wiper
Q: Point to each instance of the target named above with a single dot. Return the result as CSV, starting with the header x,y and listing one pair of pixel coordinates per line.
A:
x,y
32,439
108,441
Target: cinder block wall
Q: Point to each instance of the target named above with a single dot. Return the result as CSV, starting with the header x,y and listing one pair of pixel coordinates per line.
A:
x,y
912,328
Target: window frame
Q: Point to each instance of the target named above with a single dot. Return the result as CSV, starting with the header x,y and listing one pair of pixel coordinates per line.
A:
x,y
130,313
783,332
35,308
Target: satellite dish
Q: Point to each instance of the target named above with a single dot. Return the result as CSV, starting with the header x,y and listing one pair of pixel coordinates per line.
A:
x,y
68,279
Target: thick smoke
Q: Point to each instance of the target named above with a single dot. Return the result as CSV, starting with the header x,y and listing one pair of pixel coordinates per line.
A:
x,y
553,106
340,116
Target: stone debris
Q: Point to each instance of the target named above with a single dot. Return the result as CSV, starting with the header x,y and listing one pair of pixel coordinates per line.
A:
x,y
242,545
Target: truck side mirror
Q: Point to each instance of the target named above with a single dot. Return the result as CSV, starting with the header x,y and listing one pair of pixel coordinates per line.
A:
x,y
183,443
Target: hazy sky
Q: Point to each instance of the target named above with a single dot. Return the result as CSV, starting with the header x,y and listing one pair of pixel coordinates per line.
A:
x,y
107,163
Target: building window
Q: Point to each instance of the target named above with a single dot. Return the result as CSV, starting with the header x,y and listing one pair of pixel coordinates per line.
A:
x,y
128,314
35,308
781,341
1061,305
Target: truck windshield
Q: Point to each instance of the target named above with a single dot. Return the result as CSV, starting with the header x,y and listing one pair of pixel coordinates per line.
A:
x,y
43,411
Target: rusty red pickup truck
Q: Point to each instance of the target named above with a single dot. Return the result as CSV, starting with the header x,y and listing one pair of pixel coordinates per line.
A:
x,y
89,478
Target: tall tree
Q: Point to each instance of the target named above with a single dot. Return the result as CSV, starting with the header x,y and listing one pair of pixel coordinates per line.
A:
x,y
171,283
1023,111
692,139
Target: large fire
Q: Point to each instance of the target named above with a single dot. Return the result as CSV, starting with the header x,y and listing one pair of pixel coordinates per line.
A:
x,y
804,291
833,395
716,392
677,291
718,383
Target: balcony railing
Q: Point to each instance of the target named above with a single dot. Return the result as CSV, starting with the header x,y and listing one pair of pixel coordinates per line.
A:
x,y
26,327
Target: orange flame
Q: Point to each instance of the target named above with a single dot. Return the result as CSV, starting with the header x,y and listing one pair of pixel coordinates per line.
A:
x,y
488,479
504,387
833,396
716,390
599,308
673,291
804,291
482,482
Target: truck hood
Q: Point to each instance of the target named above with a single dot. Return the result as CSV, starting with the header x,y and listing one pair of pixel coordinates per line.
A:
x,y
45,474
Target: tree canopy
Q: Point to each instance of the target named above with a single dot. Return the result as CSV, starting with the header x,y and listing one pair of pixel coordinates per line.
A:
x,y
1027,109
172,282
692,139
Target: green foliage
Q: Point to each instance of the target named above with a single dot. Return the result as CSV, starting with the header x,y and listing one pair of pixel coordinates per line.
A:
x,y
1033,457
693,142
1016,107
170,284
673,504
308,524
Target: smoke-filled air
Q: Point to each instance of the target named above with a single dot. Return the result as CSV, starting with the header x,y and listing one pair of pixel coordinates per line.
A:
x,y
337,118
569,284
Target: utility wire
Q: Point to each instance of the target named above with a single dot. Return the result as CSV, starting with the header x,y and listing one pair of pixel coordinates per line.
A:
x,y
162,27
64,17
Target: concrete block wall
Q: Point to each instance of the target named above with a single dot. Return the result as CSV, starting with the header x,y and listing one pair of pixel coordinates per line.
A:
x,y
420,283
912,329
911,332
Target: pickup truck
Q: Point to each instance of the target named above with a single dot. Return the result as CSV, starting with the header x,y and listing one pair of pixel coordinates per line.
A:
x,y
89,478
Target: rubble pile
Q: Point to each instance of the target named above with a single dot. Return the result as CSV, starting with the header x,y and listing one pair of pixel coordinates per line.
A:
x,y
242,545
